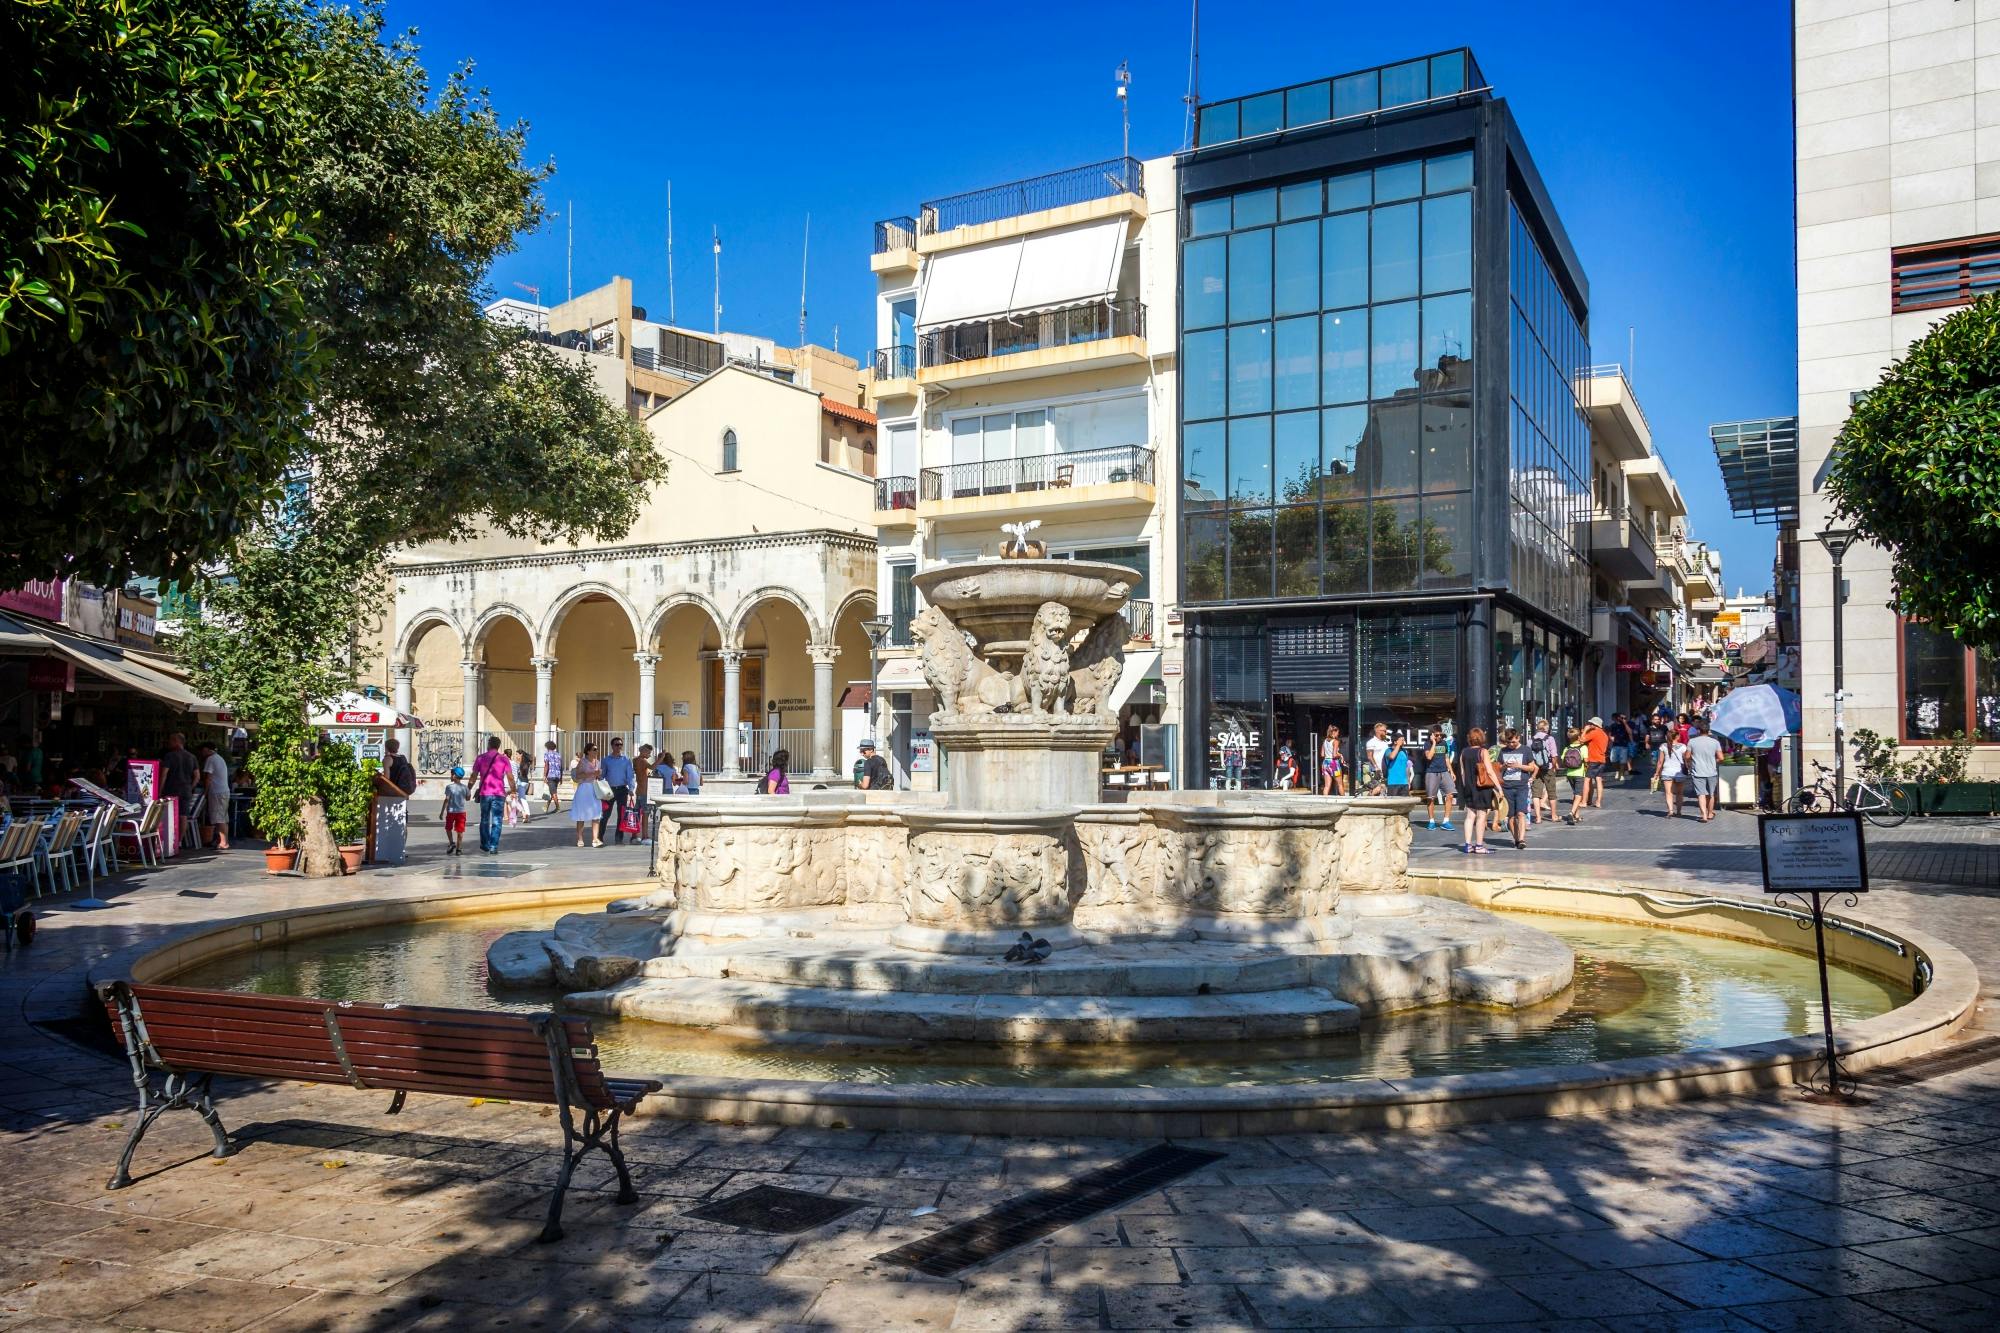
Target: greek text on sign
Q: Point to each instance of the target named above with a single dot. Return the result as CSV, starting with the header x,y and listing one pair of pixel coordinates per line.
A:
x,y
1813,854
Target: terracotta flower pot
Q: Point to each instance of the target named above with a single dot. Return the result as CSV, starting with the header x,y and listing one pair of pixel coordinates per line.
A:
x,y
277,860
350,857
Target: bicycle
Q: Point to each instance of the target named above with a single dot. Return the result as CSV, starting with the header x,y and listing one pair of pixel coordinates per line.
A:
x,y
1883,804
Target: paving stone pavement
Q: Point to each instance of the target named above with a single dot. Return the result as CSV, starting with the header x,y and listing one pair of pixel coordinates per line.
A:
x,y
1743,1213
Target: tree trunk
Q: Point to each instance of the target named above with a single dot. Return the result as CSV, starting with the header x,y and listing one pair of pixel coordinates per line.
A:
x,y
319,855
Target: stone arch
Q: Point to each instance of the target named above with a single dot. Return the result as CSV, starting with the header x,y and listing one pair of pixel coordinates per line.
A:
x,y
668,606
545,641
851,603
415,628
814,632
474,641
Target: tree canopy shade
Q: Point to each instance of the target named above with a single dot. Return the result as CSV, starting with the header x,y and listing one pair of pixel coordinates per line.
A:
x,y
154,352
242,240
1916,469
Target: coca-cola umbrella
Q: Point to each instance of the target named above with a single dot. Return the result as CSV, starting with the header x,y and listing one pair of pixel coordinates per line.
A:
x,y
358,710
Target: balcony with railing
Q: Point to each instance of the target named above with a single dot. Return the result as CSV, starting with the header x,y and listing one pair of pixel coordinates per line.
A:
x,y
1119,178
895,501
1115,479
1620,545
893,364
895,245
1442,78
1140,616
1090,334
1617,422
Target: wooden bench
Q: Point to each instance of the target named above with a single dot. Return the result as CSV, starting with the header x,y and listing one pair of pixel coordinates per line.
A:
x,y
185,1037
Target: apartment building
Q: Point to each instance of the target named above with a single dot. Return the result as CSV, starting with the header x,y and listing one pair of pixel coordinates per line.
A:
x,y
1024,372
1898,213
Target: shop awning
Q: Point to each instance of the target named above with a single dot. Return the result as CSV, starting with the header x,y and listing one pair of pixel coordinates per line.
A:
x,y
1139,667
106,660
1060,268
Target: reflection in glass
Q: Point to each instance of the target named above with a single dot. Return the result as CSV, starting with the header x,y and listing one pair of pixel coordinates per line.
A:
x,y
1453,171
1393,442
1402,546
1295,268
1202,463
1393,252
1933,683
1345,533
1355,94
1344,356
1218,123
1297,356
1297,551
1202,382
1448,541
1202,559
1342,430
1249,274
1308,105
1355,190
1447,356
1344,260
1205,281
1448,74
1299,201
1295,455
1447,447
1208,217
1448,243
1250,553
1250,460
1250,368
1406,83
1400,180
1263,113
1393,355
1256,208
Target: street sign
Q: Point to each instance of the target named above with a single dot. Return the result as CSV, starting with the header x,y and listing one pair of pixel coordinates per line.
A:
x,y
1812,853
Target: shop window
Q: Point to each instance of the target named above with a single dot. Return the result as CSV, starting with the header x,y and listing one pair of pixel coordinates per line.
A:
x,y
1948,688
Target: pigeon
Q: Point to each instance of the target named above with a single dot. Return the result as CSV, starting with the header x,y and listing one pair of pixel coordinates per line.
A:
x,y
1019,953
1039,952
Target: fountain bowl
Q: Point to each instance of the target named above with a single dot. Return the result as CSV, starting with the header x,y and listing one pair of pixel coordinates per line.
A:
x,y
996,600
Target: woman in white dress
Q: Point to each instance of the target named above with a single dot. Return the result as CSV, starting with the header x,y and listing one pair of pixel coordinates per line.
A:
x,y
585,809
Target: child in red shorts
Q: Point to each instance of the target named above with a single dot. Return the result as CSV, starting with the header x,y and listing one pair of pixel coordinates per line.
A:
x,y
456,794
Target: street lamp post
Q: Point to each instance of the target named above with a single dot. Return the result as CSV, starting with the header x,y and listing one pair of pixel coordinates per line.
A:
x,y
1837,541
877,630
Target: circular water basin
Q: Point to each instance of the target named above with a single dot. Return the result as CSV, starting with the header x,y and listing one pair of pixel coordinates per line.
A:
x,y
1640,991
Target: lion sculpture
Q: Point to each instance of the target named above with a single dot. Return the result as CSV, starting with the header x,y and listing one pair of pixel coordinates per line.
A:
x,y
963,683
1095,664
1045,665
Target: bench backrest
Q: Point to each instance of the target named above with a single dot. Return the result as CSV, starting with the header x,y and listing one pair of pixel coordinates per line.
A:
x,y
453,1052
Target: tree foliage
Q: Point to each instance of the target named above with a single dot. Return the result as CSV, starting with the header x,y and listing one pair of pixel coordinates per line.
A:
x,y
1916,469
154,352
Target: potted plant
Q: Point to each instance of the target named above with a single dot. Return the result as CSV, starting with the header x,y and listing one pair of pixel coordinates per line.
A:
x,y
347,789
282,764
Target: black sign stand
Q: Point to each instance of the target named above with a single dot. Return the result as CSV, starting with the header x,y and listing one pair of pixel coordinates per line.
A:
x,y
1828,1079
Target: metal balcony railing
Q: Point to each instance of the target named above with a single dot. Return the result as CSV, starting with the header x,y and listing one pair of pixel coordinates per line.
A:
x,y
647,359
895,492
1092,321
1043,472
1058,189
1140,616
1637,524
1615,371
895,363
895,234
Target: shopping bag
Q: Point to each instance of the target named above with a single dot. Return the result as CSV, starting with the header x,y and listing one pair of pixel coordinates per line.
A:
x,y
628,823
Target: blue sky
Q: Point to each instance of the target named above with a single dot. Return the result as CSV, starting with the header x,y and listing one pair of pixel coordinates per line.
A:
x,y
1663,132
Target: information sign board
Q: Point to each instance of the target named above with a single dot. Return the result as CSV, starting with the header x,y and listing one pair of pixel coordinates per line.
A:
x,y
1813,853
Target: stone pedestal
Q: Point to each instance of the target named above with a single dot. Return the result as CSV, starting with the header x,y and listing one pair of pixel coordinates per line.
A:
x,y
1003,763
978,880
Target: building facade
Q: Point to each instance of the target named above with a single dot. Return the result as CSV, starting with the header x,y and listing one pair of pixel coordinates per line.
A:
x,y
1385,456
1898,207
1025,373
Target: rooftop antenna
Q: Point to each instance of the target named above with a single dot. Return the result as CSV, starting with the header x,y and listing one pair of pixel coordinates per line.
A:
x,y
717,231
569,254
1631,351
541,316
1125,103
1193,98
670,253
805,252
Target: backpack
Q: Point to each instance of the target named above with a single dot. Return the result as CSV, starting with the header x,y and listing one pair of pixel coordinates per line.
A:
x,y
764,785
1573,757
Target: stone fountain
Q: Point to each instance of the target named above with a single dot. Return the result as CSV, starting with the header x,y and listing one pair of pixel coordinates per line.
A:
x,y
1170,916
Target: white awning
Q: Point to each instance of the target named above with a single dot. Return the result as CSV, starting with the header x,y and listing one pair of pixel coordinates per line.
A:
x,y
118,668
1138,666
972,283
1065,267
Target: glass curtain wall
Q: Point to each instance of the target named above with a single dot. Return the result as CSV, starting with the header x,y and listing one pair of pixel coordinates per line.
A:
x,y
1548,435
1327,386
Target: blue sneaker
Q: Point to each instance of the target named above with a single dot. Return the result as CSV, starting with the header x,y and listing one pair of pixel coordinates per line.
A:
x,y
1432,824
1446,826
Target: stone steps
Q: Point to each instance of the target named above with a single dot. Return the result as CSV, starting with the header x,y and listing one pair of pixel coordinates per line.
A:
x,y
753,1006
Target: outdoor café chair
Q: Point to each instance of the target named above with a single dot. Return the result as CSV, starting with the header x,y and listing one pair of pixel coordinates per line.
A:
x,y
99,854
143,829
18,852
58,853
191,820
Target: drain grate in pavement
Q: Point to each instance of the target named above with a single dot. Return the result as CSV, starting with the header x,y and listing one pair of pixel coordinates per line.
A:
x,y
1046,1212
781,1212
1939,1063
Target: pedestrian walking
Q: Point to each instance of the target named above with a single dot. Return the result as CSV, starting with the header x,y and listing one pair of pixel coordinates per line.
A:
x,y
1704,760
1396,767
1517,777
1542,791
1439,785
1332,771
1619,756
617,773
1374,776
1575,768
875,774
215,808
586,808
524,776
456,794
552,771
642,784
1670,768
1596,753
775,782
1478,786
492,776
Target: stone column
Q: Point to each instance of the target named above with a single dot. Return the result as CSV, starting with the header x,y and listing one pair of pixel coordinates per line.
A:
x,y
545,721
403,678
474,672
732,706
823,655
649,664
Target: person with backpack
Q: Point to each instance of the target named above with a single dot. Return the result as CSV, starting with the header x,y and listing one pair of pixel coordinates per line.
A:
x,y
1542,791
1574,767
1439,785
1517,777
1668,771
774,782
1479,785
875,774
492,780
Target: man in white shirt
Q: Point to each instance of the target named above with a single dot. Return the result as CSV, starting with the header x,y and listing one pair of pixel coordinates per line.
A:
x,y
1704,768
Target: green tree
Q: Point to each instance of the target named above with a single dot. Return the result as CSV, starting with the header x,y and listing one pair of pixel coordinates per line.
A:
x,y
1916,469
155,360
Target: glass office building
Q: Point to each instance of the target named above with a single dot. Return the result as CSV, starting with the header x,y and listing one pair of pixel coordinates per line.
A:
x,y
1385,464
